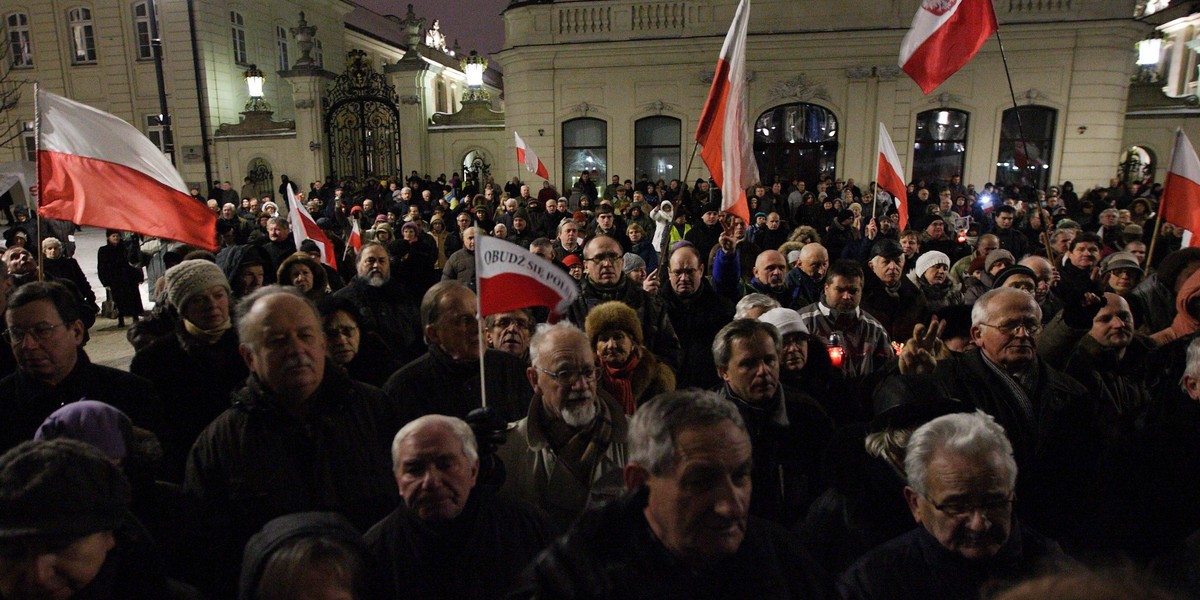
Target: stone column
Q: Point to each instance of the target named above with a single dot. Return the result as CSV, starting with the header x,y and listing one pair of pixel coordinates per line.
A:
x,y
308,85
410,77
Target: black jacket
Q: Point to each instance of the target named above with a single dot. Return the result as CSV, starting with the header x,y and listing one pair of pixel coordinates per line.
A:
x,y
134,570
391,311
435,384
194,381
611,553
257,461
479,555
25,402
916,566
657,331
697,319
898,314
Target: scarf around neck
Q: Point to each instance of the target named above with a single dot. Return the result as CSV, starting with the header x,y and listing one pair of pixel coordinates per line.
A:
x,y
619,382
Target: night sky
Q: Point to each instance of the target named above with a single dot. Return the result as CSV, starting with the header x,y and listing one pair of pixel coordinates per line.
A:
x,y
475,23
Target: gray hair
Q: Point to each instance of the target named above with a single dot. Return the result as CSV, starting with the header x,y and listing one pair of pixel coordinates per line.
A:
x,y
564,223
980,312
963,434
545,331
470,448
655,426
281,222
541,243
722,347
51,241
1193,362
246,325
750,301
431,302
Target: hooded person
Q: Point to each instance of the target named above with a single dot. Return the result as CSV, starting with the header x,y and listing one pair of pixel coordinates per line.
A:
x,y
195,369
320,553
66,531
304,273
628,372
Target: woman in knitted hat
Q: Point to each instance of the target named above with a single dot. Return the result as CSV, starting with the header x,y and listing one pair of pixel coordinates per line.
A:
x,y
195,368
932,276
628,371
304,273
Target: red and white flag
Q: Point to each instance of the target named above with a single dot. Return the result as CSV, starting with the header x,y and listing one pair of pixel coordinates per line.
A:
x,y
355,240
724,133
1180,204
95,169
526,157
944,36
509,277
890,175
304,227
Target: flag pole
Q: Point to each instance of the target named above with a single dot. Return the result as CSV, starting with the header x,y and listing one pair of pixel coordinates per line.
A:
x,y
479,324
1158,215
1024,142
687,173
37,147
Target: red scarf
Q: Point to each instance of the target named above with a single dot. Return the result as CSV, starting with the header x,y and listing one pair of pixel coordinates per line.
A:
x,y
619,383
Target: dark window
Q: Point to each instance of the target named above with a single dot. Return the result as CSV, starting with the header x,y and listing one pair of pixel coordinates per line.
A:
x,y
584,146
656,147
798,140
1026,161
940,145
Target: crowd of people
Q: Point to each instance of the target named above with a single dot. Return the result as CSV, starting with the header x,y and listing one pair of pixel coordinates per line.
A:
x,y
963,393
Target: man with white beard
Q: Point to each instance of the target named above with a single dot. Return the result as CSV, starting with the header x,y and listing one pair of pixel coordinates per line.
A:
x,y
569,452
388,307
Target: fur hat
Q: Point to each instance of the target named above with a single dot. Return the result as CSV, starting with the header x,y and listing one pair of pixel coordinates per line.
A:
x,y
613,315
996,255
929,259
60,489
192,277
270,204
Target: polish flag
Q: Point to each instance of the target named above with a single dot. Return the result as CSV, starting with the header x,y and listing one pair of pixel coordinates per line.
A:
x,y
95,169
945,35
1180,204
889,175
355,240
305,228
727,143
526,157
509,277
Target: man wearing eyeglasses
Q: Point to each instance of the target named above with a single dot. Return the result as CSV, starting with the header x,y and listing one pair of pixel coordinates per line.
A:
x,y
568,453
1048,415
961,485
45,332
697,313
605,281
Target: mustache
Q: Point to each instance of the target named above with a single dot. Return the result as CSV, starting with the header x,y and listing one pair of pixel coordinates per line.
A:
x,y
296,362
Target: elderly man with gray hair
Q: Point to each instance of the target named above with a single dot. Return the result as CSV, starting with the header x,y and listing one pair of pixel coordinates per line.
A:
x,y
685,529
962,479
451,538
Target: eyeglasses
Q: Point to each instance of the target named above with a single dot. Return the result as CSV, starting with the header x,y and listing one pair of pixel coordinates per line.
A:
x,y
41,331
1031,327
347,331
568,377
993,507
608,258
684,272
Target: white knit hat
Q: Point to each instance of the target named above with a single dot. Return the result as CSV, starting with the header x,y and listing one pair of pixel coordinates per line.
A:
x,y
929,259
785,320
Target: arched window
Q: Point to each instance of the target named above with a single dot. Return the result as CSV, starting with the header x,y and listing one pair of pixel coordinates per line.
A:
x,y
281,44
656,147
20,44
940,145
83,36
584,147
1026,161
141,30
796,140
237,26
1137,165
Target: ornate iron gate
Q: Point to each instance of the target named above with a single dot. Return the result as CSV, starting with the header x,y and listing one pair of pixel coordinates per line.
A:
x,y
362,122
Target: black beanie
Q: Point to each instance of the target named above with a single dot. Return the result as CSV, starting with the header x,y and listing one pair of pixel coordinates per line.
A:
x,y
60,488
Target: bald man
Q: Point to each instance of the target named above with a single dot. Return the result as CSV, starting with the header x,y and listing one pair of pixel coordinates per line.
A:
x,y
808,274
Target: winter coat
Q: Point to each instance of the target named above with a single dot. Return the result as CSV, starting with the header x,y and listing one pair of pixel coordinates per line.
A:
x,y
611,554
389,310
936,297
699,317
536,474
436,384
133,570
258,461
112,265
915,566
898,314
658,334
26,402
1152,304
480,554
194,380
460,267
648,379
